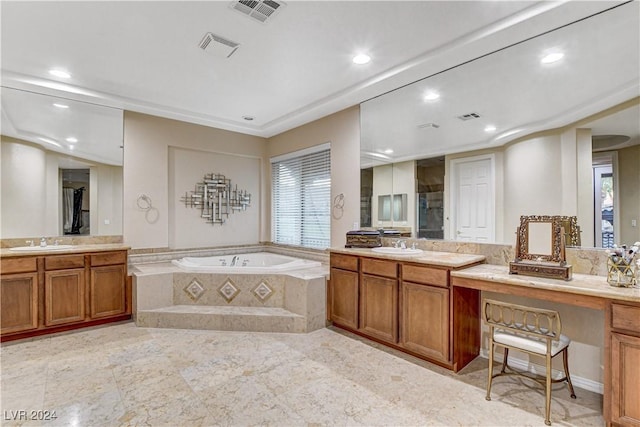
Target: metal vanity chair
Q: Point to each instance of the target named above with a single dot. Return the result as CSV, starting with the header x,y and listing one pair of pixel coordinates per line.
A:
x,y
531,330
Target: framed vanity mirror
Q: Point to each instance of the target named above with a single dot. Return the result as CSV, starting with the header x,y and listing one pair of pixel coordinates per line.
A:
x,y
540,247
62,163
540,238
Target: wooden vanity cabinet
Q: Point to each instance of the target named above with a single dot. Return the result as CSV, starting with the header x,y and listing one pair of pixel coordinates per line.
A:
x,y
379,299
409,306
18,295
425,311
625,365
43,294
343,291
64,289
108,284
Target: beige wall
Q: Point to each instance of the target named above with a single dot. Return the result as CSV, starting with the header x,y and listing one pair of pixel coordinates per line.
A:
x,y
187,229
23,189
629,193
147,140
342,130
31,199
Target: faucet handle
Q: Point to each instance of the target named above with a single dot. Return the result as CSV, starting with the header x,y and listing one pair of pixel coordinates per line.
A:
x,y
29,242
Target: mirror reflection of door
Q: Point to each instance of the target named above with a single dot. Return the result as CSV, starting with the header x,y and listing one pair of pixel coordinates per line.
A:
x,y
604,201
75,201
472,198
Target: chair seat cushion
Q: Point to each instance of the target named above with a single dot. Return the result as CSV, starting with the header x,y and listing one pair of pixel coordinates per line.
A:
x,y
530,343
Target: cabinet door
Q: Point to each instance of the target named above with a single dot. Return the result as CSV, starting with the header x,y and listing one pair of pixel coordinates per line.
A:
x,y
343,297
425,320
379,307
108,291
64,296
625,379
19,302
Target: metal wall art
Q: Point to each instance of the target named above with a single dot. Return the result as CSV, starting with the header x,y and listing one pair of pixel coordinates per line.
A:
x,y
215,198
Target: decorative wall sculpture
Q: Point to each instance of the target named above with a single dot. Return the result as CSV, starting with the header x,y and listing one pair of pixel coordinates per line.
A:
x,y
215,198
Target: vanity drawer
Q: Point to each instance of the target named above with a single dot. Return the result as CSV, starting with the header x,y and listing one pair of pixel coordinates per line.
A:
x,y
109,258
625,317
426,275
344,262
380,267
18,265
62,262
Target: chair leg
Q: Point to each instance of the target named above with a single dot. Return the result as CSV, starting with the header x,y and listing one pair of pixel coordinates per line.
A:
x,y
547,408
565,362
490,377
504,359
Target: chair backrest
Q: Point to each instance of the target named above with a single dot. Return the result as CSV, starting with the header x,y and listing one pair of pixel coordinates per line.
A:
x,y
522,319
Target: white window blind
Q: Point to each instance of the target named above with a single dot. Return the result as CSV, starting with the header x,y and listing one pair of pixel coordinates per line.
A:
x,y
301,199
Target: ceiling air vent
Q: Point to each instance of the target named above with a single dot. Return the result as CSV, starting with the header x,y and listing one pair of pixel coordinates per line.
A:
x,y
260,10
218,46
469,116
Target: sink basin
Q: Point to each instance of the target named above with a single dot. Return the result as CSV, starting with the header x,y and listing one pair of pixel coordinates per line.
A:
x,y
397,251
40,248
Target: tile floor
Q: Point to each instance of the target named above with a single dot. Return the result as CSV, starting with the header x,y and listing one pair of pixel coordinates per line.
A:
x,y
127,376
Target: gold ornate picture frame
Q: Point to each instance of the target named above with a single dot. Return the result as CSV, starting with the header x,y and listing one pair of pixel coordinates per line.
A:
x,y
540,247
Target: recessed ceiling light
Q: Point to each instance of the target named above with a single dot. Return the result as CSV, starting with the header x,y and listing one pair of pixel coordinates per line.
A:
x,y
58,105
431,96
388,151
248,118
490,128
72,139
361,59
60,73
552,57
71,147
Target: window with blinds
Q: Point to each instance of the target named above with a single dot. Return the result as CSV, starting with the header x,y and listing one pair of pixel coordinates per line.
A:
x,y
301,198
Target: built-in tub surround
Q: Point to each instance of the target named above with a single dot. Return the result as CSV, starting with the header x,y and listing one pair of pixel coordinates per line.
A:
x,y
168,296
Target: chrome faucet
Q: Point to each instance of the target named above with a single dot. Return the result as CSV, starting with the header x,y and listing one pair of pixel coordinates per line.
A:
x,y
401,243
43,242
234,260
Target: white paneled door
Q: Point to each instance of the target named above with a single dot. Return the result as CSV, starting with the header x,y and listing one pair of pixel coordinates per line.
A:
x,y
473,199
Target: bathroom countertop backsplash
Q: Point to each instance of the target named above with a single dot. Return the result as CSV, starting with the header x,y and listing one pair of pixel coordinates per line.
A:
x,y
583,260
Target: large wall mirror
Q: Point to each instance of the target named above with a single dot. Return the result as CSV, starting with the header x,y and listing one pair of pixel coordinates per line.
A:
x,y
507,134
61,167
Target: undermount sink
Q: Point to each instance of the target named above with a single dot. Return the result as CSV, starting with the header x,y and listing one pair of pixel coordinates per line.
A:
x,y
397,251
41,248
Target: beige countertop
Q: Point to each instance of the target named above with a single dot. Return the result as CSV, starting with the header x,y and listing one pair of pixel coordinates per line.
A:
x,y
50,250
444,259
582,284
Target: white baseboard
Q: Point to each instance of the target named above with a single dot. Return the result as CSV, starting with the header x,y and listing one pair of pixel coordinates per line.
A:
x,y
525,365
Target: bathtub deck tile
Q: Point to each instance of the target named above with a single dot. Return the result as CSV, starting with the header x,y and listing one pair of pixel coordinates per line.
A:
x,y
229,318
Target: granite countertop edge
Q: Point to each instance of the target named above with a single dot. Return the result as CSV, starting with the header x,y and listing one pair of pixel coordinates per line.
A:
x,y
435,258
582,284
98,247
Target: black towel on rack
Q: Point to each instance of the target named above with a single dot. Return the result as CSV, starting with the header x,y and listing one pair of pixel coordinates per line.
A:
x,y
77,210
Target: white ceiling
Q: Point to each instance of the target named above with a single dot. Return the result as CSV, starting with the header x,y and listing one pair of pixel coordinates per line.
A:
x,y
144,56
